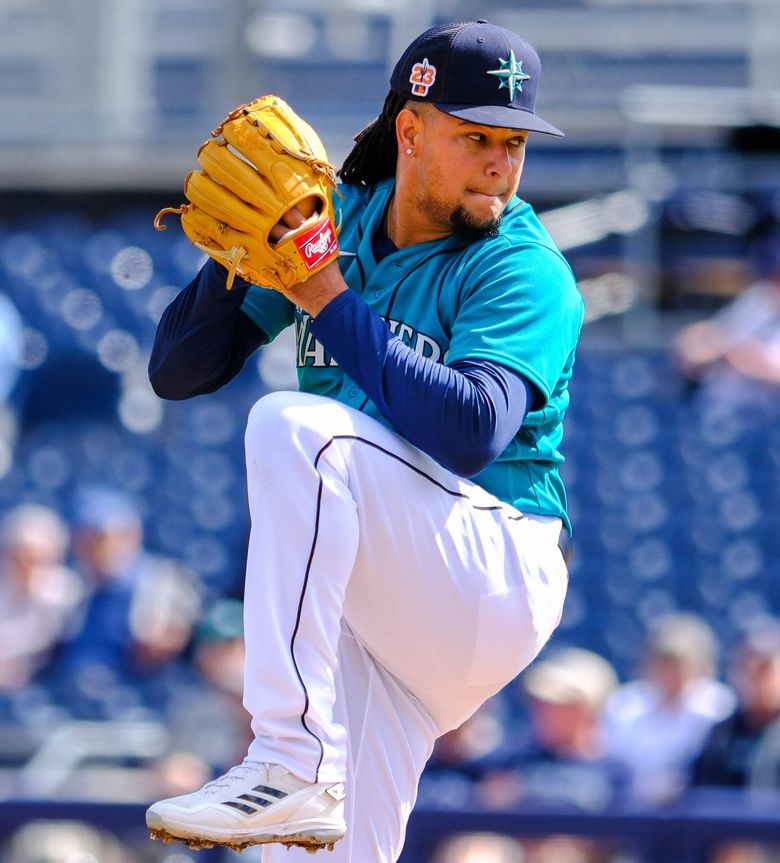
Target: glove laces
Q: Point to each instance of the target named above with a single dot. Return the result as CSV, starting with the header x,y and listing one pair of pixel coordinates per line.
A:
x,y
158,219
231,258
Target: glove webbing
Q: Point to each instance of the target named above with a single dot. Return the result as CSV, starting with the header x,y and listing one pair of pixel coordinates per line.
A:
x,y
304,152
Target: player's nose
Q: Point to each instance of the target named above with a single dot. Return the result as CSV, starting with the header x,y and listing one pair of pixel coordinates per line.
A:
x,y
500,162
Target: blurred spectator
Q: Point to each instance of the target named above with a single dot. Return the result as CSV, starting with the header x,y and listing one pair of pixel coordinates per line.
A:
x,y
11,356
563,762
38,593
492,848
449,779
735,354
657,725
742,750
140,608
11,346
207,716
43,841
738,750
480,848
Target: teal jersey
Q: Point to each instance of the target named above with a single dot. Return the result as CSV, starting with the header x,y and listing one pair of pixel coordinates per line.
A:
x,y
511,299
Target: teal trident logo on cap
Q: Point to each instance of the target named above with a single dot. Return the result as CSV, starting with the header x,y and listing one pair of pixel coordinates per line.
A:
x,y
511,74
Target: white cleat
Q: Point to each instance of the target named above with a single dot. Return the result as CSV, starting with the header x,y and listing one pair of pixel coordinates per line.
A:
x,y
253,804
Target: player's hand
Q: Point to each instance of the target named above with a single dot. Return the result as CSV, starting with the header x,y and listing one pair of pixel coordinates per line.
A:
x,y
291,220
313,294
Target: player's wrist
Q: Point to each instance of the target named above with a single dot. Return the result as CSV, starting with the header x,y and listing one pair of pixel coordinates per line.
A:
x,y
318,290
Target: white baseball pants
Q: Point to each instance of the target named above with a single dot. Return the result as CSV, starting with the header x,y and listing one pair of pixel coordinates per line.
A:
x,y
386,598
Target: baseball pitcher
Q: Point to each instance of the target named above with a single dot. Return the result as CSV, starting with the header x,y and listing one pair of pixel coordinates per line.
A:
x,y
406,555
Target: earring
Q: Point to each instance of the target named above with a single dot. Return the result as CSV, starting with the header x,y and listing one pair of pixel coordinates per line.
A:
x,y
409,151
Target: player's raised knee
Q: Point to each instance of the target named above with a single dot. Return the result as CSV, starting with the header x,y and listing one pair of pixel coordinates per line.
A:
x,y
278,416
269,412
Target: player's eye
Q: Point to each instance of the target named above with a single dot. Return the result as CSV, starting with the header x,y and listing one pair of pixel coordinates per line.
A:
x,y
516,142
476,136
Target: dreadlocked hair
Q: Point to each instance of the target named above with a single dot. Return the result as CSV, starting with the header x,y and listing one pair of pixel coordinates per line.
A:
x,y
374,156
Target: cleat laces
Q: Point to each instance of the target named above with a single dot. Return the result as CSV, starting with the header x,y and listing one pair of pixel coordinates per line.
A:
x,y
235,773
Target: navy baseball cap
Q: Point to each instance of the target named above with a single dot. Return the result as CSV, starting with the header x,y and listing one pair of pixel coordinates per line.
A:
x,y
474,71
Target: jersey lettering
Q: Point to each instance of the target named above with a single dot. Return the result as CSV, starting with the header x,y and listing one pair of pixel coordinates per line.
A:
x,y
427,347
311,354
309,351
405,333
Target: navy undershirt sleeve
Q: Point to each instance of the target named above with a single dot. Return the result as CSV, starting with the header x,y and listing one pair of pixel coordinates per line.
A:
x,y
203,339
462,415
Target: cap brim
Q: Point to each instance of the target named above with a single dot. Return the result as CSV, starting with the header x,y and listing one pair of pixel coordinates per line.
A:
x,y
501,116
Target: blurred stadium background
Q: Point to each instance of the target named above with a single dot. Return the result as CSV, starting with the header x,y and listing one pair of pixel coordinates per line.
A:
x,y
671,109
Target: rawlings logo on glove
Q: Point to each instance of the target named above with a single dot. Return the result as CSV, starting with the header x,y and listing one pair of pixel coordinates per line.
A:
x,y
261,161
317,244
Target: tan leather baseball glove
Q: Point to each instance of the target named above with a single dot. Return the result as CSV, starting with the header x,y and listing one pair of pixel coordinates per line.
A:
x,y
261,161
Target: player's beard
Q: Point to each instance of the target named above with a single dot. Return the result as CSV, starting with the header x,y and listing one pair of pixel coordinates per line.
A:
x,y
441,211
468,226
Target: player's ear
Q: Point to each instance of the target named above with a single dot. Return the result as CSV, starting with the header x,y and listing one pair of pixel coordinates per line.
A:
x,y
408,124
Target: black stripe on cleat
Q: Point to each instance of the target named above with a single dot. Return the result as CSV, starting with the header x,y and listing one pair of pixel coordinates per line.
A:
x,y
261,801
271,792
250,810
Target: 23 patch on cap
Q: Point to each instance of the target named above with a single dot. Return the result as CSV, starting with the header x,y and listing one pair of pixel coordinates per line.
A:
x,y
422,77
